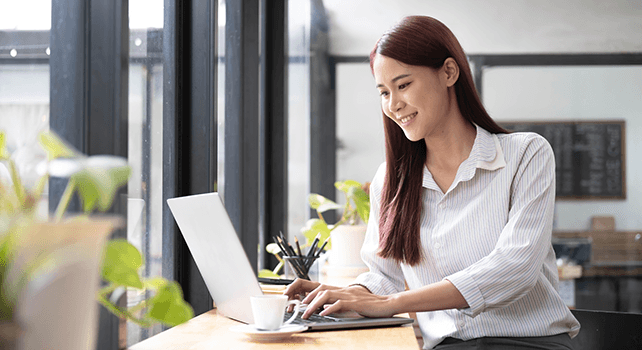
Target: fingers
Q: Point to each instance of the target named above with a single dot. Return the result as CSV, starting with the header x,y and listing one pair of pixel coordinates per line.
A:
x,y
336,307
299,288
321,298
313,294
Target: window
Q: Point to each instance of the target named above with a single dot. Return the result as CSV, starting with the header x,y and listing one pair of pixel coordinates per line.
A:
x,y
145,146
24,79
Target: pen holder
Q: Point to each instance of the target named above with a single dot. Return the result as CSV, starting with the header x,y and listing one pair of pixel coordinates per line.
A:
x,y
301,267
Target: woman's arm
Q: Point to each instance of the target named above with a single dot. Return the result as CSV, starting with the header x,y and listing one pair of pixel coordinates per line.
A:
x,y
513,267
437,296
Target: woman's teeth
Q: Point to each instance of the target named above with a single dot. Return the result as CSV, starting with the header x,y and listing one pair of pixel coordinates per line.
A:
x,y
404,120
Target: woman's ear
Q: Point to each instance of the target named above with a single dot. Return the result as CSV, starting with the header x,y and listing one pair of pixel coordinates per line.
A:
x,y
451,68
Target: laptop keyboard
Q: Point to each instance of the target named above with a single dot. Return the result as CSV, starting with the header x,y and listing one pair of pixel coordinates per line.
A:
x,y
314,318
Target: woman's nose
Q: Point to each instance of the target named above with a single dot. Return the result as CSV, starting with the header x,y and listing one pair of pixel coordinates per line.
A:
x,y
396,103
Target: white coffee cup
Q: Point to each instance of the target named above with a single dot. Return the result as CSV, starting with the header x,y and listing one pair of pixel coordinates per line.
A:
x,y
269,310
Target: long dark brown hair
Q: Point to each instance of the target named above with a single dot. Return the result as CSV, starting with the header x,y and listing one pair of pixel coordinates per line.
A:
x,y
417,41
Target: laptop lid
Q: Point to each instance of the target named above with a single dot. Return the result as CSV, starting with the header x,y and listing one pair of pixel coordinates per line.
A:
x,y
218,253
227,272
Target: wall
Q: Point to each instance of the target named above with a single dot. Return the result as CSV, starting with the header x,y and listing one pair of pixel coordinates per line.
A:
x,y
500,27
496,26
577,93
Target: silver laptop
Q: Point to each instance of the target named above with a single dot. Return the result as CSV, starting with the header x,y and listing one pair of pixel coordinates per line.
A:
x,y
227,272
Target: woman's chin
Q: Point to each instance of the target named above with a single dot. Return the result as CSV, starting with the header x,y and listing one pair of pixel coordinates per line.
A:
x,y
411,137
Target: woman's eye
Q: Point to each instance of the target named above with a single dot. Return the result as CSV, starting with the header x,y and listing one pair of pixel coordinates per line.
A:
x,y
383,93
403,86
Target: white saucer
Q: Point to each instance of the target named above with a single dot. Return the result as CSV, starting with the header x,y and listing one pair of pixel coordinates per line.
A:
x,y
281,333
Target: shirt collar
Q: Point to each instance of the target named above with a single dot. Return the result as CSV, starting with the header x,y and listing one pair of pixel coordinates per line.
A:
x,y
491,155
486,154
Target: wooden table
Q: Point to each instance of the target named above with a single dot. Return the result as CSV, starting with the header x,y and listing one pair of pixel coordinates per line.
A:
x,y
212,331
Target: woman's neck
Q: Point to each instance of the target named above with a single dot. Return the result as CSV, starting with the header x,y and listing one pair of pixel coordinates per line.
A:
x,y
448,149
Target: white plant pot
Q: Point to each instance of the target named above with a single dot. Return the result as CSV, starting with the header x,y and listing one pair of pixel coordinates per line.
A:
x,y
346,246
58,309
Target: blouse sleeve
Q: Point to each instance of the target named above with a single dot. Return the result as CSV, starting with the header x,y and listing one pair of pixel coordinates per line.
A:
x,y
511,270
385,276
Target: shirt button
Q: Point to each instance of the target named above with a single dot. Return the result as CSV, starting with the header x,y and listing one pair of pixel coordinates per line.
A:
x,y
437,245
460,324
441,205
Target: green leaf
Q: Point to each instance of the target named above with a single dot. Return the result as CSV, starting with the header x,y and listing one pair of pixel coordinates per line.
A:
x,y
55,146
154,283
121,264
268,274
18,188
345,186
97,187
321,204
168,306
7,296
362,202
315,226
4,154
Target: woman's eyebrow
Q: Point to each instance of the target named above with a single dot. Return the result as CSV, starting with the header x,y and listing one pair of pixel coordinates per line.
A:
x,y
395,79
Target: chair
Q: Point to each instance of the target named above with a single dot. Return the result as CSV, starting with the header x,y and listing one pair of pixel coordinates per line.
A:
x,y
608,330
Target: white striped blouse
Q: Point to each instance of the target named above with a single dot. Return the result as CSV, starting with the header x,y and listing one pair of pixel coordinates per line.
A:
x,y
490,235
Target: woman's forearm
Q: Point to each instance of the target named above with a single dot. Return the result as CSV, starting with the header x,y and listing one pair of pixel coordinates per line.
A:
x,y
437,296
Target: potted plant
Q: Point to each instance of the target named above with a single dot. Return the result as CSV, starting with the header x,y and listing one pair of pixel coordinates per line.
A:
x,y
348,233
50,265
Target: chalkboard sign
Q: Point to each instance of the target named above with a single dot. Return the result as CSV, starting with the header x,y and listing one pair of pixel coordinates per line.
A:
x,y
589,156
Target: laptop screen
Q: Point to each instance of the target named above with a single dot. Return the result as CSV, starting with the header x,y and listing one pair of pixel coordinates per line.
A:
x,y
218,253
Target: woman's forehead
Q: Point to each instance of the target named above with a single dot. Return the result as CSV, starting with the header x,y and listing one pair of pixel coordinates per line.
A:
x,y
386,68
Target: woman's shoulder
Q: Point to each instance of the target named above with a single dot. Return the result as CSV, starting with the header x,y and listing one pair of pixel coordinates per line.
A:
x,y
380,174
379,177
523,142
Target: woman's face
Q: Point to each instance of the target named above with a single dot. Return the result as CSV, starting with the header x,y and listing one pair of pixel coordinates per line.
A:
x,y
414,97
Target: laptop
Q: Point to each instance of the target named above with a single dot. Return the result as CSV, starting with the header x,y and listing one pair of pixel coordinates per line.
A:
x,y
219,256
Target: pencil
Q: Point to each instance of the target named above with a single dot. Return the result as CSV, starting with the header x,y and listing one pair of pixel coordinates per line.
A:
x,y
318,254
298,269
314,244
298,247
278,243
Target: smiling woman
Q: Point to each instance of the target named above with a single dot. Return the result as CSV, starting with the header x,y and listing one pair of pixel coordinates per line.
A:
x,y
461,210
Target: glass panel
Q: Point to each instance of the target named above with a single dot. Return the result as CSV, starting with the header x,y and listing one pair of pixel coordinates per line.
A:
x,y
612,277
299,18
24,82
220,100
144,217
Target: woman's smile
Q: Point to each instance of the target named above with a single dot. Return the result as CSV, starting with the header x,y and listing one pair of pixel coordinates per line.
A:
x,y
405,120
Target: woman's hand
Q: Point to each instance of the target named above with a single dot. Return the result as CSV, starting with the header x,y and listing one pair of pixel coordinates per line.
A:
x,y
300,288
354,298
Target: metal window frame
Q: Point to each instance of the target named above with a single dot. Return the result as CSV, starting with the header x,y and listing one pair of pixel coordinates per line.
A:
x,y
89,95
189,124
273,127
481,62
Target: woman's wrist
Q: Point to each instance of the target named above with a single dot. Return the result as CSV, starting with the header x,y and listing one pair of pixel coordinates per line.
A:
x,y
359,285
396,303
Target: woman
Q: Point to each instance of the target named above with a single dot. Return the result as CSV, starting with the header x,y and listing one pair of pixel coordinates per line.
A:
x,y
461,211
